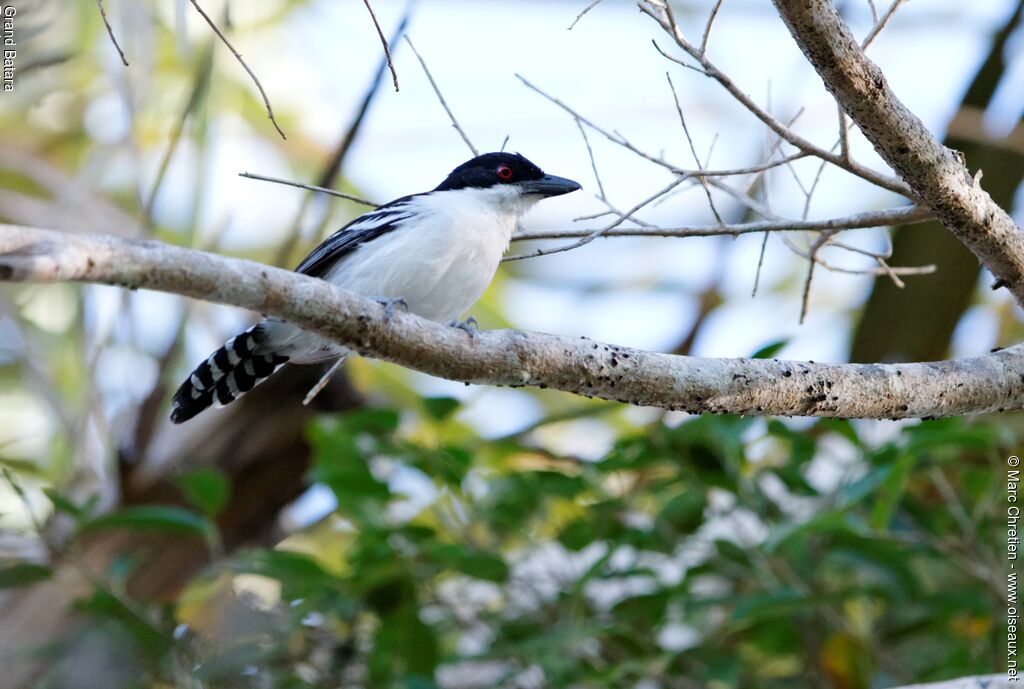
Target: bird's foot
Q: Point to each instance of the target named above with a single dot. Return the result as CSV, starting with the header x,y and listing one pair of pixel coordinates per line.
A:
x,y
389,305
469,326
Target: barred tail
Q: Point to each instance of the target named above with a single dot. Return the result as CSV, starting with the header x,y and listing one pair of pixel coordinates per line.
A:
x,y
226,375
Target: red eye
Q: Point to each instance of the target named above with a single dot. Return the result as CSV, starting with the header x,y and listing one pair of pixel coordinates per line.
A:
x,y
504,172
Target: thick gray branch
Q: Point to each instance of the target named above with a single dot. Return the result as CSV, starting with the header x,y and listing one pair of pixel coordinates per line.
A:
x,y
510,357
936,174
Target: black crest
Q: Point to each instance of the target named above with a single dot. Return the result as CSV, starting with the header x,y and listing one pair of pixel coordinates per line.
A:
x,y
491,169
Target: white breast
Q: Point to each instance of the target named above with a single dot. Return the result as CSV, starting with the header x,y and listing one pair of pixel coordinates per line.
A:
x,y
442,261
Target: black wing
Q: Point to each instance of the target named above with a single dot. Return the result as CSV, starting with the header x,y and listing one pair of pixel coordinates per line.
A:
x,y
365,228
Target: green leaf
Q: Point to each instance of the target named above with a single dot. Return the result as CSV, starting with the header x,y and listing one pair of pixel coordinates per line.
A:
x,y
577,535
103,603
685,512
340,462
373,421
300,575
770,349
63,504
23,574
893,486
732,552
205,489
781,602
24,467
440,408
473,563
172,520
449,463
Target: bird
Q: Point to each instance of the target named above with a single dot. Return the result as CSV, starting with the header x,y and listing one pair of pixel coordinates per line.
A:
x,y
432,253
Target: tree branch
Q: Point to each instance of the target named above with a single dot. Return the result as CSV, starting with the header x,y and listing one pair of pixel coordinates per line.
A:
x,y
896,216
993,382
238,56
937,175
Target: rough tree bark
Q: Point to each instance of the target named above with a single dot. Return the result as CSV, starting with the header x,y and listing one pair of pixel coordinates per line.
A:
x,y
935,173
916,323
993,382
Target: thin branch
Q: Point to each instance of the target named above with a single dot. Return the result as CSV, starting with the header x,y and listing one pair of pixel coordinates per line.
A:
x,y
110,32
331,168
384,42
614,137
707,27
805,297
594,234
881,23
693,149
309,187
580,15
593,164
874,11
896,216
444,103
760,264
844,133
200,84
986,383
238,56
619,139
810,191
322,383
665,19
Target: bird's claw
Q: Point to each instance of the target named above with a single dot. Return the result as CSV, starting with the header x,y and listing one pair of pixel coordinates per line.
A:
x,y
469,326
389,306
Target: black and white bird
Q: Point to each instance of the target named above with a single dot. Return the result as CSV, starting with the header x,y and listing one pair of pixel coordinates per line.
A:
x,y
434,252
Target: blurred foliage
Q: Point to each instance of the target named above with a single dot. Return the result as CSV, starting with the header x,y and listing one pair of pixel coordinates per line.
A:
x,y
687,552
718,552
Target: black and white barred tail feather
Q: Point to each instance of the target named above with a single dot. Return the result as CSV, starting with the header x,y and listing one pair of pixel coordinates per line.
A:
x,y
226,375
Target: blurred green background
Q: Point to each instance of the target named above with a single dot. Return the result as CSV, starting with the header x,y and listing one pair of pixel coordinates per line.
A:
x,y
409,532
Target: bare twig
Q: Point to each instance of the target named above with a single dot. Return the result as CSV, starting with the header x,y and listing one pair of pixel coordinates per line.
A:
x,y
812,255
844,133
661,13
238,56
580,15
309,187
750,386
874,11
110,32
619,139
593,164
689,140
760,264
322,383
895,216
444,104
384,42
880,24
707,27
594,234
200,83
331,168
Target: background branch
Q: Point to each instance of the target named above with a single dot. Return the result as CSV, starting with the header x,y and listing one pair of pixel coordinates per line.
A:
x,y
238,56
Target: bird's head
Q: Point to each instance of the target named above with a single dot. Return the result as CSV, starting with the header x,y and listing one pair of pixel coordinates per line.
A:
x,y
510,176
